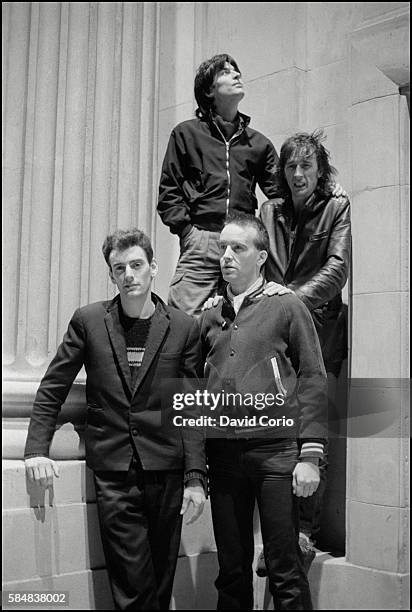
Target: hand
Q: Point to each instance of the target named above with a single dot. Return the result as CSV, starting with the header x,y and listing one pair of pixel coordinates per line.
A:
x,y
194,495
305,479
338,191
41,470
211,302
273,288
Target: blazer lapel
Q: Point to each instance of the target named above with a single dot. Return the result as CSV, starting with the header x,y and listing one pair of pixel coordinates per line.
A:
x,y
157,333
118,341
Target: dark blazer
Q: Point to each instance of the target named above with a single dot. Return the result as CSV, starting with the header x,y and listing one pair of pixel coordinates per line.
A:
x,y
119,415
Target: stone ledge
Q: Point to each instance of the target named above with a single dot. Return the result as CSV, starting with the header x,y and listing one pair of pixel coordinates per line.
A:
x,y
337,584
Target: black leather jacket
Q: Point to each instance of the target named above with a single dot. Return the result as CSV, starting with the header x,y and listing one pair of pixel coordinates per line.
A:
x,y
311,255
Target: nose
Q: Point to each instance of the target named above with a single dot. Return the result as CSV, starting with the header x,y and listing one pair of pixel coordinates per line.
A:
x,y
128,273
227,255
298,171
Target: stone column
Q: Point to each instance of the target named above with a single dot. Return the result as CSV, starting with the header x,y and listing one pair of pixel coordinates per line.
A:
x,y
377,483
80,117
80,109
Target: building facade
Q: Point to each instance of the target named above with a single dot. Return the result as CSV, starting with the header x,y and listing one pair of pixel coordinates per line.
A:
x,y
91,91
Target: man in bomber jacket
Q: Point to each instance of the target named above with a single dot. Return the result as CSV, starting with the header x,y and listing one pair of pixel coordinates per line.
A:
x,y
258,345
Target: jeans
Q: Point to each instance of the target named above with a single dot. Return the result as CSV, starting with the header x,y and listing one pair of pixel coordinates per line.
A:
x,y
241,472
140,524
197,276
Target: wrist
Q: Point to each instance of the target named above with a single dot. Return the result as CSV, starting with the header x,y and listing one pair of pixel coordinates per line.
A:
x,y
194,482
314,460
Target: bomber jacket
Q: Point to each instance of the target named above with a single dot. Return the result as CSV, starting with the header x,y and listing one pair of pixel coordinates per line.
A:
x,y
312,257
204,175
270,346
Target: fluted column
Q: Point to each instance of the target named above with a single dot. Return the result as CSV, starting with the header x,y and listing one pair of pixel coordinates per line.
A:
x,y
80,128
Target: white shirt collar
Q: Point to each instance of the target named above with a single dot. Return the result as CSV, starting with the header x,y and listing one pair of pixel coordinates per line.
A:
x,y
237,300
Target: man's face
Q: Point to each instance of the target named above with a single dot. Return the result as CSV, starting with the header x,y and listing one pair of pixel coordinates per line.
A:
x,y
302,175
227,84
240,260
131,272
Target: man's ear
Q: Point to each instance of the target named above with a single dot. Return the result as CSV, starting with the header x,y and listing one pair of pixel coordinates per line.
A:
x,y
263,255
111,276
153,268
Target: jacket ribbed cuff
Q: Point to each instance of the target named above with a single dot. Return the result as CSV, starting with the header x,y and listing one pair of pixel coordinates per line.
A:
x,y
311,449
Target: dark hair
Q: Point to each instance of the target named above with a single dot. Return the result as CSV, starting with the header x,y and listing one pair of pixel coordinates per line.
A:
x,y
242,219
304,144
204,79
123,239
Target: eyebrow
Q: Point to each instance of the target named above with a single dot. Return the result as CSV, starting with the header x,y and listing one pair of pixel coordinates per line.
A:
x,y
232,243
123,263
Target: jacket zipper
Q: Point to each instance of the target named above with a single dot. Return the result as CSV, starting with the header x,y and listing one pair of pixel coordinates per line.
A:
x,y
278,379
227,145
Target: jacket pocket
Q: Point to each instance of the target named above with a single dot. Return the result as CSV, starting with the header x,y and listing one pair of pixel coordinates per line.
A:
x,y
278,380
318,236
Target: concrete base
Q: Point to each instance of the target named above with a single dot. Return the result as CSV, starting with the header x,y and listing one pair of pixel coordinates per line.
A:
x,y
337,584
52,543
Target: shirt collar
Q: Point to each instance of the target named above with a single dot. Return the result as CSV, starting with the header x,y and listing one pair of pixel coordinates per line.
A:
x,y
237,300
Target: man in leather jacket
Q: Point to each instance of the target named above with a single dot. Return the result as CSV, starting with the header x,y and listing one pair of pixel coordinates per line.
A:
x,y
310,238
212,165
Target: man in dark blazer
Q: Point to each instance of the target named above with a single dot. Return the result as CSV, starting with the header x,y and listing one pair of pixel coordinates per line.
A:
x,y
147,472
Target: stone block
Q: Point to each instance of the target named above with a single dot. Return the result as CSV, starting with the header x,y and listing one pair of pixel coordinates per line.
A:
x,y
405,141
328,24
378,536
86,589
75,485
177,38
337,584
366,477
276,102
198,537
376,250
376,335
367,81
375,152
328,94
261,51
405,330
375,10
46,541
404,239
193,587
384,41
67,443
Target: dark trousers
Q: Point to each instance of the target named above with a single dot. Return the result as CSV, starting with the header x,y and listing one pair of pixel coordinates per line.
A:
x,y
240,474
311,507
140,523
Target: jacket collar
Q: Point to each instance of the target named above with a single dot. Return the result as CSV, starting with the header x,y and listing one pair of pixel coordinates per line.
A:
x,y
228,312
157,333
